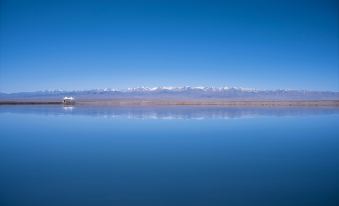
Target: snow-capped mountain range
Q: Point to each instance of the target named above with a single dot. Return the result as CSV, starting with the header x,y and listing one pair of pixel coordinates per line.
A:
x,y
186,92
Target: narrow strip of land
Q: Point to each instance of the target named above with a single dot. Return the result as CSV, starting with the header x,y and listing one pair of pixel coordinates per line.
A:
x,y
169,102
23,102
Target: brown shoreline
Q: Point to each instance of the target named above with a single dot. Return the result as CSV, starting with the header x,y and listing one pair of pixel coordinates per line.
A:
x,y
28,102
147,102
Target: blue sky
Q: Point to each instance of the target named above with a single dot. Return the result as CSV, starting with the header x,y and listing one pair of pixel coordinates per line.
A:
x,y
118,44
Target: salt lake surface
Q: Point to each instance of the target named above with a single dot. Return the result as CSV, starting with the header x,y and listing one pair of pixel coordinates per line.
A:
x,y
54,155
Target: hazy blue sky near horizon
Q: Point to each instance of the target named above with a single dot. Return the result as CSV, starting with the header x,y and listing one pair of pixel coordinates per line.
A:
x,y
118,44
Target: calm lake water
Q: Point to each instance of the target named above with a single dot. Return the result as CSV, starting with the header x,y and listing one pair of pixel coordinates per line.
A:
x,y
51,155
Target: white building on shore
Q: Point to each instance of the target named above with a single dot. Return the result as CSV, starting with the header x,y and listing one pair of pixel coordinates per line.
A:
x,y
69,100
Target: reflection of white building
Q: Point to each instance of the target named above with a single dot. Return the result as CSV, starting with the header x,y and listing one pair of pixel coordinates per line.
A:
x,y
69,100
68,108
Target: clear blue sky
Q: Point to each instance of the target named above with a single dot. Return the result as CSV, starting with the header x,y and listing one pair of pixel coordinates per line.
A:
x,y
118,44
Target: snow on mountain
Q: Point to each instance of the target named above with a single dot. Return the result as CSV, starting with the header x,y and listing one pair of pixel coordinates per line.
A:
x,y
186,88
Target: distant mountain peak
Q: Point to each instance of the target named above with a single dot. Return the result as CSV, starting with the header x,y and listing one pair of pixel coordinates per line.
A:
x,y
184,92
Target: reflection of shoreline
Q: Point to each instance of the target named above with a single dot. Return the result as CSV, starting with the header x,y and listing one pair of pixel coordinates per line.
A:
x,y
167,113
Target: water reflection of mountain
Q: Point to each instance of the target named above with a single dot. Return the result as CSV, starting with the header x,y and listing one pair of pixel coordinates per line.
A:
x,y
174,112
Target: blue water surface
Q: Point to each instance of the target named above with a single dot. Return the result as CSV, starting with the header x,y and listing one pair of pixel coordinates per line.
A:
x,y
54,155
